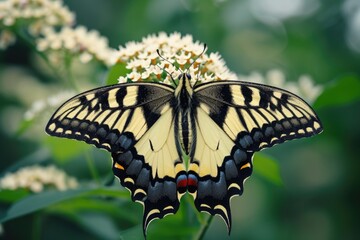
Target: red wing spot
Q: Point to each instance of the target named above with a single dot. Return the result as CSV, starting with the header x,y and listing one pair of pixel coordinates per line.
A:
x,y
189,183
192,182
182,184
181,181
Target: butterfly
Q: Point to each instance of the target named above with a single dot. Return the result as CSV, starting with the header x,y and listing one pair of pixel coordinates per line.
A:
x,y
149,127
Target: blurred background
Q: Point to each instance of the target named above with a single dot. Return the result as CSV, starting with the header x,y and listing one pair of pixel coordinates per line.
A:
x,y
305,189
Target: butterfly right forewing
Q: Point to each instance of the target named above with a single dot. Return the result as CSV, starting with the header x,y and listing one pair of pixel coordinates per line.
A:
x,y
256,116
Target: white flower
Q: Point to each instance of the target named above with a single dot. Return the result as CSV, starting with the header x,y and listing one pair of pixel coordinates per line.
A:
x,y
37,14
178,55
308,89
7,38
77,41
38,178
51,102
304,87
276,78
50,12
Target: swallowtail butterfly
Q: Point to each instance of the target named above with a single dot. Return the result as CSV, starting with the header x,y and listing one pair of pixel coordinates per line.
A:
x,y
149,127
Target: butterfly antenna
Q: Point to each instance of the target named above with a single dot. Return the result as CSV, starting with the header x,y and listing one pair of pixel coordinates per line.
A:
x,y
163,68
170,74
197,57
198,76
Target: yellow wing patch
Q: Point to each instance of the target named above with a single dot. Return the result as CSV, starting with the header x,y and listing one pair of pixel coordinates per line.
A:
x,y
212,145
158,147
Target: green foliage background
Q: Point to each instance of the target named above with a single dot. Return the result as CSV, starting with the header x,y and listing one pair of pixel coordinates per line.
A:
x,y
304,189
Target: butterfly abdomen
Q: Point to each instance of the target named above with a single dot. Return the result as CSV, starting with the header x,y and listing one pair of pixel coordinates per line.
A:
x,y
185,130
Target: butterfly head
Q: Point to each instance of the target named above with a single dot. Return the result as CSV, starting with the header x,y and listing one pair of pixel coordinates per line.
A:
x,y
184,86
184,77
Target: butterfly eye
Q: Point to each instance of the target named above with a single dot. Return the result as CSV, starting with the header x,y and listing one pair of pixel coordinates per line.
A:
x,y
188,76
179,77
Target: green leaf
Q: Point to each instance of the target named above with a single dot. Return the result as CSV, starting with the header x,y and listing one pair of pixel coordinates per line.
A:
x,y
39,201
64,149
267,168
10,196
44,199
100,225
133,233
24,126
103,205
119,69
109,192
343,91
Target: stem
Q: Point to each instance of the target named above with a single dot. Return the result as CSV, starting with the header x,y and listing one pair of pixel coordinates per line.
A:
x,y
204,227
69,75
23,37
36,226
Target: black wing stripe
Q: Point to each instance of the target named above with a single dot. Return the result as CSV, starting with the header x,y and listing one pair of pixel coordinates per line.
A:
x,y
247,92
128,119
119,96
250,112
242,120
117,119
262,115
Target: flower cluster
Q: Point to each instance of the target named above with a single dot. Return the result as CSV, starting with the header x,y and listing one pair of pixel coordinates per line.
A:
x,y
180,54
36,15
177,54
304,87
38,178
77,41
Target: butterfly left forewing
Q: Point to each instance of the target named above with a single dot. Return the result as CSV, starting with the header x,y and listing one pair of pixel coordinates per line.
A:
x,y
101,115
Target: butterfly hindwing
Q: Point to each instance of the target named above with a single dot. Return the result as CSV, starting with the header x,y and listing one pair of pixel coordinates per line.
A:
x,y
135,123
219,166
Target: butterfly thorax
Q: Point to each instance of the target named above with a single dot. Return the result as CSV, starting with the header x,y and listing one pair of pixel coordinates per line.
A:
x,y
184,114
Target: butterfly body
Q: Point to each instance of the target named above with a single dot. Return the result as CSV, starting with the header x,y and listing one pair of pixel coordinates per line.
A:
x,y
185,105
149,127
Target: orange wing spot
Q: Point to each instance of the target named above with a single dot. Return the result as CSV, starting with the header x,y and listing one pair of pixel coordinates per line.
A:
x,y
245,166
118,166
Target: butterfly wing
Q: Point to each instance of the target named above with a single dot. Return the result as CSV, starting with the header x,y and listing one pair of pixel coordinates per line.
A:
x,y
235,119
135,123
